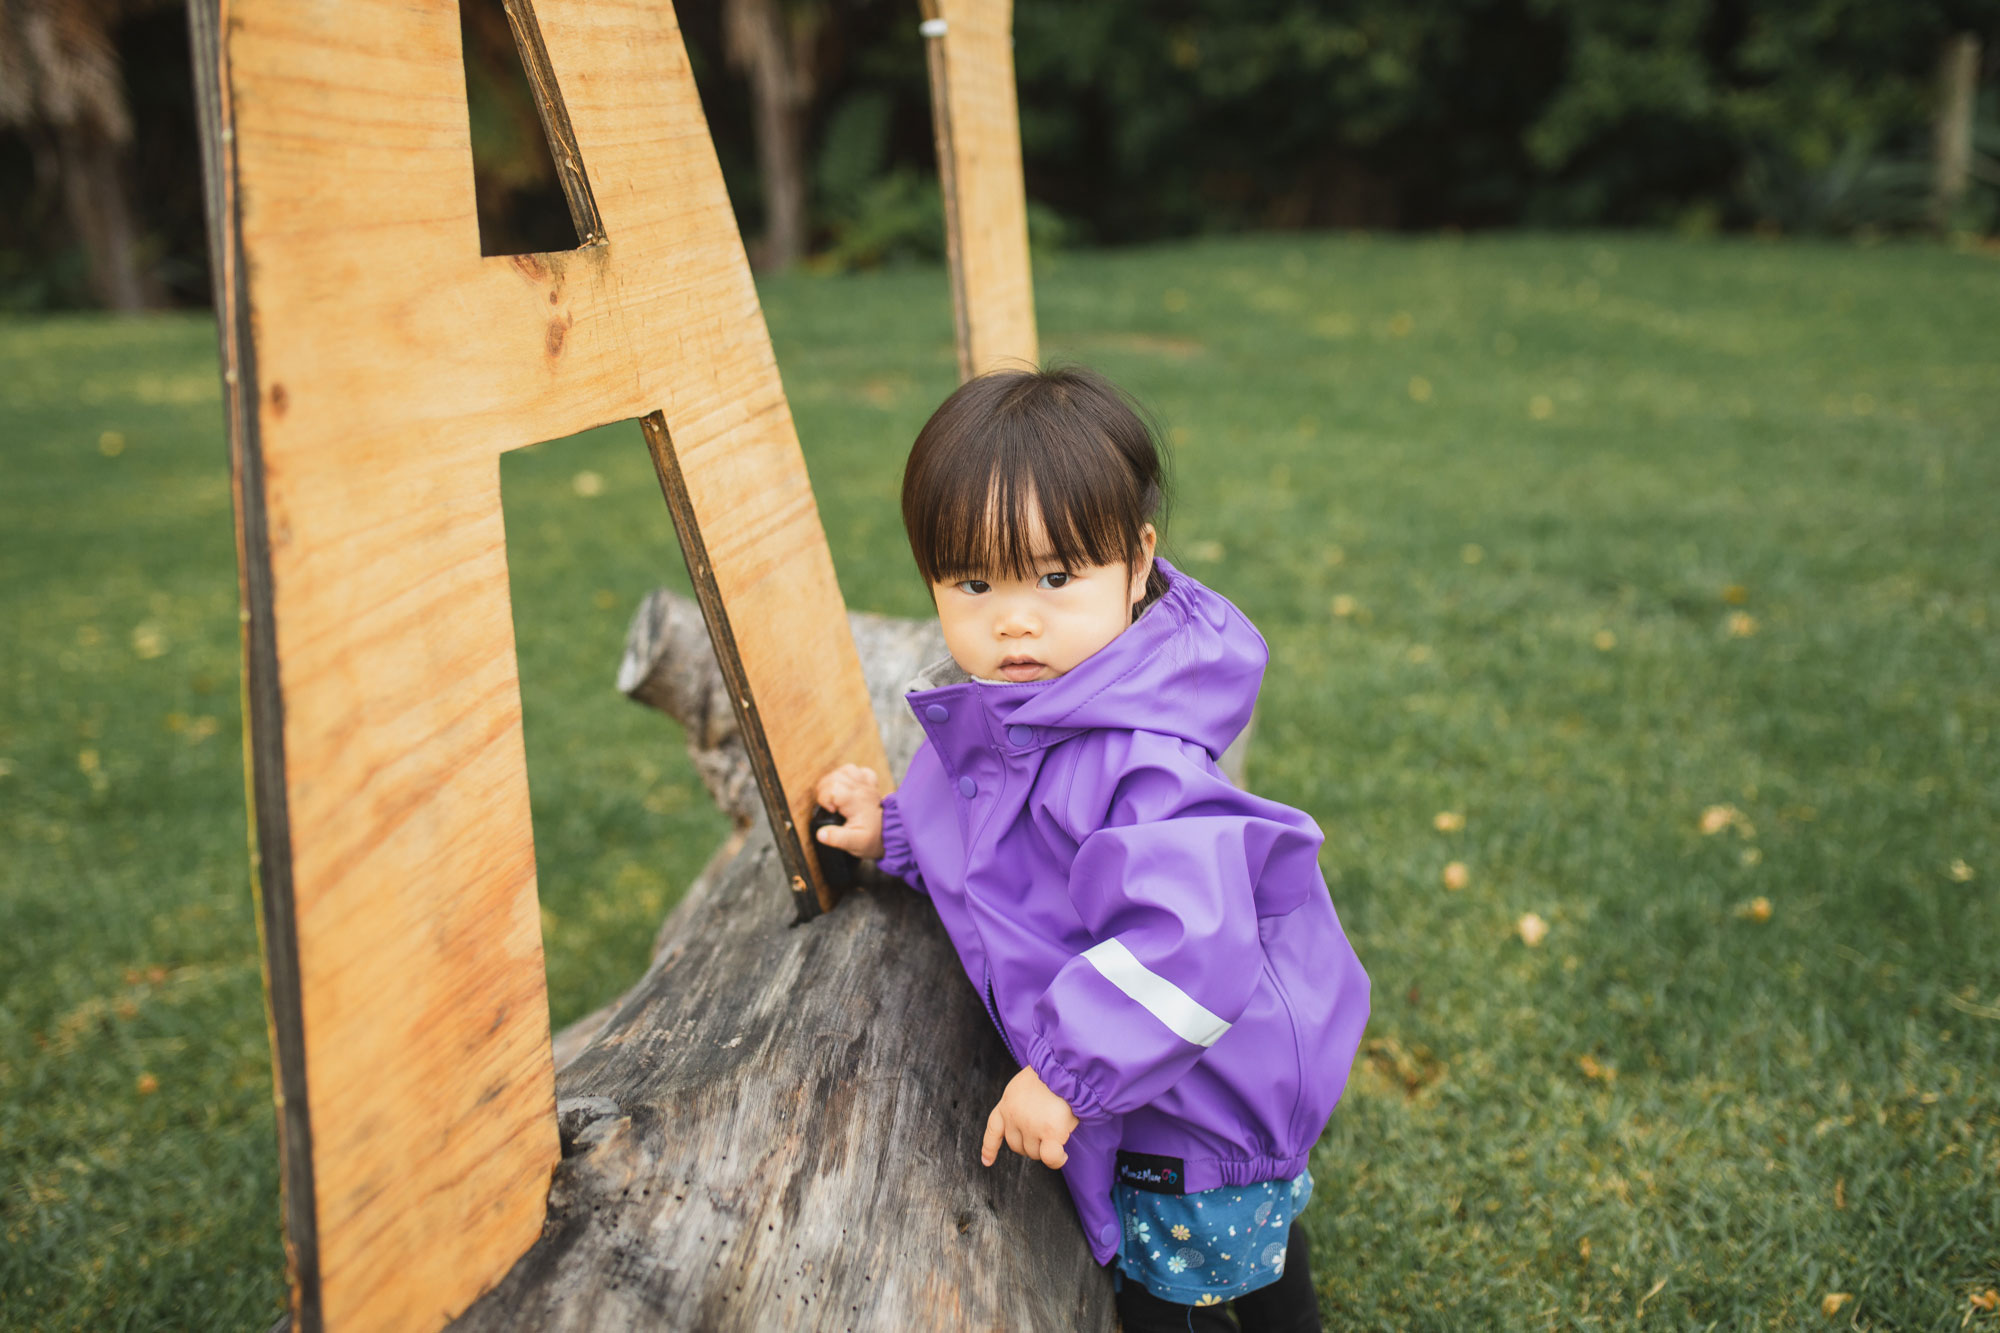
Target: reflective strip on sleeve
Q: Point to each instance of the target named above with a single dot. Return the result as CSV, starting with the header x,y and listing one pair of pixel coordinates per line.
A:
x,y
1158,996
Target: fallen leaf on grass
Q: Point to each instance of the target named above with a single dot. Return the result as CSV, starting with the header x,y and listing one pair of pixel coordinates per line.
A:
x,y
1343,605
1988,1300
1719,817
1829,1304
1583,1249
1757,909
1412,1070
1456,876
1840,1195
1742,624
1960,872
1541,407
1602,1073
1448,821
588,484
1604,640
1532,929
148,1085
1736,594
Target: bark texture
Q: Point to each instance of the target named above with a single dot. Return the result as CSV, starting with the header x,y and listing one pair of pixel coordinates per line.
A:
x,y
60,78
1958,95
778,1127
773,43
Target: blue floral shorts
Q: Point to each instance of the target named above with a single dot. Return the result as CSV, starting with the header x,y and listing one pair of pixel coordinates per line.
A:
x,y
1212,1246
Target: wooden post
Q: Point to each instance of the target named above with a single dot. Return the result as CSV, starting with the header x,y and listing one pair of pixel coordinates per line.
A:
x,y
1958,91
375,368
969,47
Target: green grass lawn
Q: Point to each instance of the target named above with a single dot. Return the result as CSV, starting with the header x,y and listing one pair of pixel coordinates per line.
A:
x,y
1592,542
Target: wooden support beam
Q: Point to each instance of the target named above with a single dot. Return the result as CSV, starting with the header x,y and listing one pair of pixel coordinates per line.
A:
x,y
970,51
375,368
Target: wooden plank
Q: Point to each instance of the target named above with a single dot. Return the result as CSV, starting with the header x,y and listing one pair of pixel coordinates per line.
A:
x,y
978,127
381,368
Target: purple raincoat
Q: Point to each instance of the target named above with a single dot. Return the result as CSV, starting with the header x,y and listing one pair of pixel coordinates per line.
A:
x,y
1156,943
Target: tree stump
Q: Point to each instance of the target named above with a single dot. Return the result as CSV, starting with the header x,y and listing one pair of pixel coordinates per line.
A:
x,y
778,1126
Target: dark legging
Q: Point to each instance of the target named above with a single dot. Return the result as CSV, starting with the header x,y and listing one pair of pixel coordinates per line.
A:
x,y
1285,1306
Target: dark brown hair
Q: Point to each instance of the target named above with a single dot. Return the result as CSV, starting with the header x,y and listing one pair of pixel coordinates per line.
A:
x,y
1062,439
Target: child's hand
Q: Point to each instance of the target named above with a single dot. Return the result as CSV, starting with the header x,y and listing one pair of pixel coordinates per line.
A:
x,y
1033,1121
854,793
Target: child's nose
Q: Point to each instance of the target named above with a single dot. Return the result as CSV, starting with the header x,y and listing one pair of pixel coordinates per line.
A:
x,y
1017,622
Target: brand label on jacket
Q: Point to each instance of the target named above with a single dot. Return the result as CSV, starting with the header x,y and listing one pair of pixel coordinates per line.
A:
x,y
1145,1171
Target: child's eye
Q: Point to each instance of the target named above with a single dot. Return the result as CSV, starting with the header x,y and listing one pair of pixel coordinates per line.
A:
x,y
1055,580
974,586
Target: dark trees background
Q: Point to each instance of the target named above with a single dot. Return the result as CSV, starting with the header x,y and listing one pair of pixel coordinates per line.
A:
x,y
1146,119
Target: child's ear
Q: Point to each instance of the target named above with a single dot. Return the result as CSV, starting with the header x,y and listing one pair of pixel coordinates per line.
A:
x,y
1142,568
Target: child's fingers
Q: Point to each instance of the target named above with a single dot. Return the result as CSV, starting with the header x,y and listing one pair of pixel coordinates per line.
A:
x,y
847,839
853,779
1053,1154
834,782
1031,1147
990,1147
847,789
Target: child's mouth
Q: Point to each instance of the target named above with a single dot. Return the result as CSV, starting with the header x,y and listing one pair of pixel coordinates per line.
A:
x,y
1020,668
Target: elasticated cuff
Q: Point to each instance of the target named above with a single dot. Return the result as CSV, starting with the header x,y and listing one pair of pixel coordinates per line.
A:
x,y
1084,1103
898,859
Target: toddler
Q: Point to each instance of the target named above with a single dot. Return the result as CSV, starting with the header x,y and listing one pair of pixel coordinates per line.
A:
x,y
1156,946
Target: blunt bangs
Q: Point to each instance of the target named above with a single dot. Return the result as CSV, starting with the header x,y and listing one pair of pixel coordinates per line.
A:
x,y
1061,446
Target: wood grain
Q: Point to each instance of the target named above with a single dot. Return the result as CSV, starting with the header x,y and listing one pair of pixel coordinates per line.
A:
x,y
978,128
381,366
778,1128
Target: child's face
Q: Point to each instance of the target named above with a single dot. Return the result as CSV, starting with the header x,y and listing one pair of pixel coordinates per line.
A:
x,y
1004,627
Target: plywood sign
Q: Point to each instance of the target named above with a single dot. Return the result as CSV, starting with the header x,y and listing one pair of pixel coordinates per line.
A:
x,y
970,46
377,367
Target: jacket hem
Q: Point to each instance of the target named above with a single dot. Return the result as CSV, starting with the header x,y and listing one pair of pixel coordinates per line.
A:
x,y
1217,1172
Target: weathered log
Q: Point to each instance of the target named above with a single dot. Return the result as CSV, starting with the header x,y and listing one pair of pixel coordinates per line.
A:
x,y
778,1127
